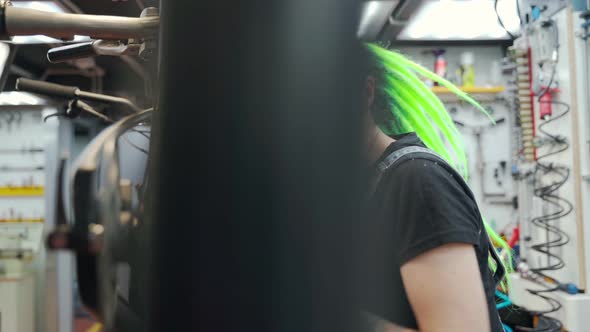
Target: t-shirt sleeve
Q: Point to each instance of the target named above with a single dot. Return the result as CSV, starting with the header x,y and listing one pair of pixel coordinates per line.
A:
x,y
431,209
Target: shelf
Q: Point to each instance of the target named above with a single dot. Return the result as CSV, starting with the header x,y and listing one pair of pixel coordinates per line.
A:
x,y
22,220
479,93
32,191
470,89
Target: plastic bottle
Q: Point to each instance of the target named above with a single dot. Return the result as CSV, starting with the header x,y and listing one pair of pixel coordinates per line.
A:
x,y
495,73
440,63
468,71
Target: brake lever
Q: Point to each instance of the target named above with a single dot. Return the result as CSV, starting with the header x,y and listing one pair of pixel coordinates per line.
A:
x,y
69,92
92,49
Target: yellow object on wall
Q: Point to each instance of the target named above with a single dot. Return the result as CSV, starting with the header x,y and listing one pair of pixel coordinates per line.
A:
x,y
469,89
21,191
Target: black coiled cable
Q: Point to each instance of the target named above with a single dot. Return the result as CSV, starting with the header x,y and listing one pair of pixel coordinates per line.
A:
x,y
548,193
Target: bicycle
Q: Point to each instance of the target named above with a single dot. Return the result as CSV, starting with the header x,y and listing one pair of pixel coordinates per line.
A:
x,y
103,213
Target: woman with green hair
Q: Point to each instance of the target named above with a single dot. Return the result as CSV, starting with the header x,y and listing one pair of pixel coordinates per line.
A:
x,y
432,264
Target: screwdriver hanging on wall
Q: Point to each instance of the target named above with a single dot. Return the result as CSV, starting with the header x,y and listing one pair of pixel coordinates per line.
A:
x,y
477,131
7,168
22,150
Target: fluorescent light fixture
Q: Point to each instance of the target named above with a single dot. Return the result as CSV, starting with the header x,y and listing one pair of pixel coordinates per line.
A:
x,y
20,98
40,39
461,20
369,10
374,14
46,6
4,54
508,11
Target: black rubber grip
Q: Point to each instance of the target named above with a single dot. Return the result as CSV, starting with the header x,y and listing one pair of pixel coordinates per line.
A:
x,y
71,52
46,88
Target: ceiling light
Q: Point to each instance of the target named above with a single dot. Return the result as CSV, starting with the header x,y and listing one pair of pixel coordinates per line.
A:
x,y
46,6
461,20
4,54
20,98
508,11
40,39
374,14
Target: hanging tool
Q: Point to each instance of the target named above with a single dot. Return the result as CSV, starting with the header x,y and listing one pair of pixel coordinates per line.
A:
x,y
481,165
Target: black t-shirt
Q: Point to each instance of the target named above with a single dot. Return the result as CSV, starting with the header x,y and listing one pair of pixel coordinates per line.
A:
x,y
418,205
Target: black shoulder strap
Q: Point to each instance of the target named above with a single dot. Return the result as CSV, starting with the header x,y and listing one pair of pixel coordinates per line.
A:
x,y
394,158
398,154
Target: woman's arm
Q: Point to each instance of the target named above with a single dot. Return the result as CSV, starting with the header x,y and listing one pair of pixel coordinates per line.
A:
x,y
445,290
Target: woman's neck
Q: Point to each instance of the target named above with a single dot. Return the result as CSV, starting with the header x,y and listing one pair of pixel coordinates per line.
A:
x,y
379,142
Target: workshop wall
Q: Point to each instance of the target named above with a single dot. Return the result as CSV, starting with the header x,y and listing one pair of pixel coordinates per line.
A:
x,y
23,137
24,141
572,254
496,145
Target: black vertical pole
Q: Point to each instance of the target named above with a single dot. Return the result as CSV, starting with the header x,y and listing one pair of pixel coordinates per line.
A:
x,y
255,185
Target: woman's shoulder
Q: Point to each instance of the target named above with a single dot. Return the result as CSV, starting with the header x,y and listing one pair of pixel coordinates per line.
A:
x,y
423,171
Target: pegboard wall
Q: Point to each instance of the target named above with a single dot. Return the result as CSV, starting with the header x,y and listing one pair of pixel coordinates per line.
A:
x,y
488,147
23,140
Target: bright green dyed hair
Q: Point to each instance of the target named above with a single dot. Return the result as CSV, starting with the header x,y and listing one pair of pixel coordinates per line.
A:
x,y
410,106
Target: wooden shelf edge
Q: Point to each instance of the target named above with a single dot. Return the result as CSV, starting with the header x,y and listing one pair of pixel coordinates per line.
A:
x,y
36,191
22,220
469,89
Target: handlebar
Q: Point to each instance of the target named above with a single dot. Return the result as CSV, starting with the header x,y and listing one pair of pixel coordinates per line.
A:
x,y
69,92
46,88
25,22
